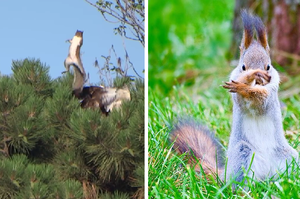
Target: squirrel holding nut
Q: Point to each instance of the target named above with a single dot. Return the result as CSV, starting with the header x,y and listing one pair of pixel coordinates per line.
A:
x,y
257,143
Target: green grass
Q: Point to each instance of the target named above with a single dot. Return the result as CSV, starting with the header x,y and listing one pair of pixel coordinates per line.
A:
x,y
170,176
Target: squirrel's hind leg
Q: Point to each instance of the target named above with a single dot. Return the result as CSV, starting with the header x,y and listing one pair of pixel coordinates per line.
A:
x,y
68,62
239,160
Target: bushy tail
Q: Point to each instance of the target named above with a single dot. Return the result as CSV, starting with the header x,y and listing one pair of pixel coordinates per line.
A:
x,y
199,143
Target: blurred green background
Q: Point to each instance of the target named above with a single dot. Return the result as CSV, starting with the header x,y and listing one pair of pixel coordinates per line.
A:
x,y
188,40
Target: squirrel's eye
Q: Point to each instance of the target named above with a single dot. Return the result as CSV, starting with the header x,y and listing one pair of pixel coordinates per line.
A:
x,y
268,67
244,67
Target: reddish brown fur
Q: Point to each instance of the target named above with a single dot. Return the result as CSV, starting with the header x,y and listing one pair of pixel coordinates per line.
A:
x,y
261,32
248,30
258,75
79,34
247,39
198,144
257,94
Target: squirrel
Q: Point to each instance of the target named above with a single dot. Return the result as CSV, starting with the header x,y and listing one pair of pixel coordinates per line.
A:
x,y
75,60
96,97
256,131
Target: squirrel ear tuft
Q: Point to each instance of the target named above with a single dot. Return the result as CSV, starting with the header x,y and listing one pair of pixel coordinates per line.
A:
x,y
248,29
261,32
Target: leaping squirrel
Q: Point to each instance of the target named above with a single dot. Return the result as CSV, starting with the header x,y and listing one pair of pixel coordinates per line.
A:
x,y
74,60
256,130
106,99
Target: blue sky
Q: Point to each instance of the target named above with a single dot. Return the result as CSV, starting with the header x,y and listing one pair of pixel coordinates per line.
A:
x,y
39,29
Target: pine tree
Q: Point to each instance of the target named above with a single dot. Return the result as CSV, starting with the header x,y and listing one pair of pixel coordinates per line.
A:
x,y
52,148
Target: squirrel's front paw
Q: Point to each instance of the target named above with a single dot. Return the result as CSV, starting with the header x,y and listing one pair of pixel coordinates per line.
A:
x,y
261,77
255,77
234,86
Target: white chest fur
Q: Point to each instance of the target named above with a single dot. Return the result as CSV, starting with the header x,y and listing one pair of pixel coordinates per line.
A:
x,y
260,132
74,43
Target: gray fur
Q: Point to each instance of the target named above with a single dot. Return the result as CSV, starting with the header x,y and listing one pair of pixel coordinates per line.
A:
x,y
270,155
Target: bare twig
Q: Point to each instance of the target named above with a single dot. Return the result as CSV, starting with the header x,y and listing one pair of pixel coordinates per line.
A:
x,y
128,60
125,12
130,15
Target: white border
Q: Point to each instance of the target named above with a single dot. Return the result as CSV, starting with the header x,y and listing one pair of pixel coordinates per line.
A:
x,y
146,100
